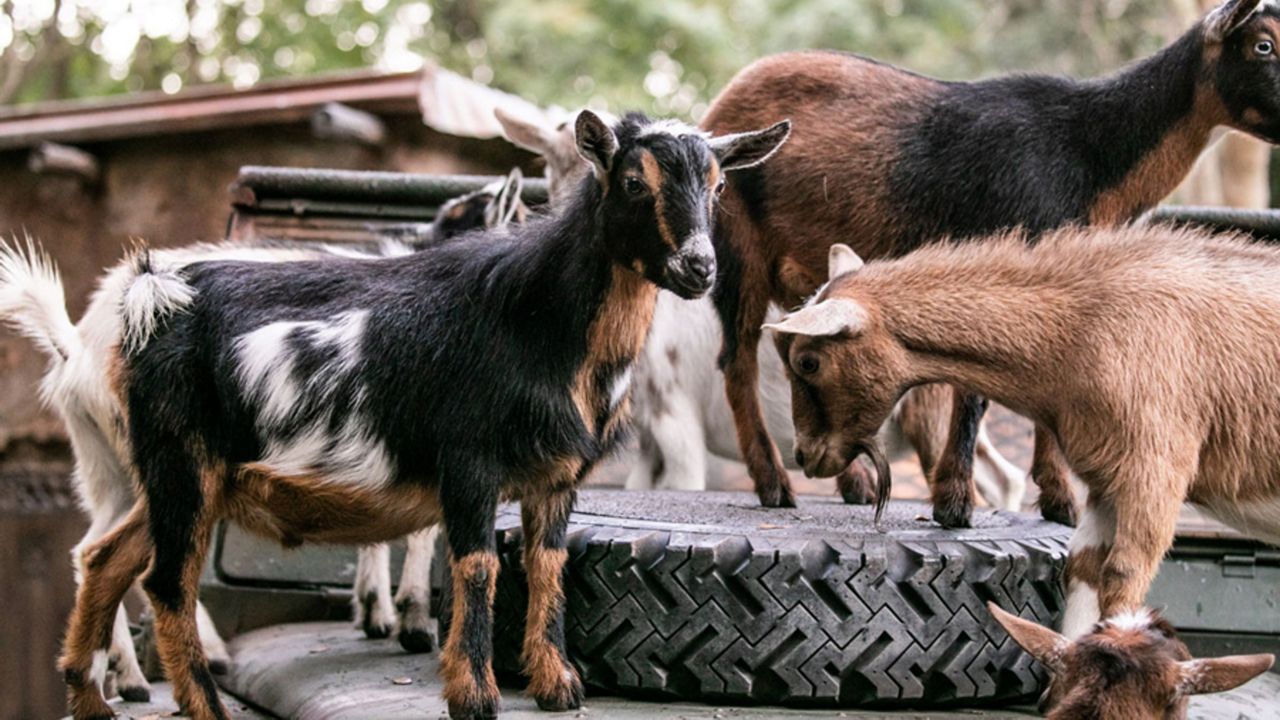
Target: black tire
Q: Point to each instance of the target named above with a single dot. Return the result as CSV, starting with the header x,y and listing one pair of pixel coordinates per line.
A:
x,y
710,597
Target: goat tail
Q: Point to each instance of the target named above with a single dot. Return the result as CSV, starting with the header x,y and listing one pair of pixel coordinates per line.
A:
x,y
32,299
151,295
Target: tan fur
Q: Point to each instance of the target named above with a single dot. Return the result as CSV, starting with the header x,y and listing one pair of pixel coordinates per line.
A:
x,y
542,662
1164,167
653,179
113,563
1150,353
460,686
292,510
617,333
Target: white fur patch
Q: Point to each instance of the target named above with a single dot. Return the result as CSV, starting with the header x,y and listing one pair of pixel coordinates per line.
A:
x,y
1082,612
1137,620
619,387
98,669
32,300
151,297
675,128
1097,529
353,454
266,363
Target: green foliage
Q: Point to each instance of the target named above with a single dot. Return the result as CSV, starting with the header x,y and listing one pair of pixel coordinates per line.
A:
x,y
666,57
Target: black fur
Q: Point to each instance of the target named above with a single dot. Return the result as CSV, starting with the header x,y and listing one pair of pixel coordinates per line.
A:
x,y
1031,150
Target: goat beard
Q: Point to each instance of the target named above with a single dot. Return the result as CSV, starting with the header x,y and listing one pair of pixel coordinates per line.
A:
x,y
884,476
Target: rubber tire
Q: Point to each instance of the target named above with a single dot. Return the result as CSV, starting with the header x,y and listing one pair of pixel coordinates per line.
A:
x,y
710,597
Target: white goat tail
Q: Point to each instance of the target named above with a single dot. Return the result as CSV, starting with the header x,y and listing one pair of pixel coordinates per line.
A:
x,y
154,294
32,300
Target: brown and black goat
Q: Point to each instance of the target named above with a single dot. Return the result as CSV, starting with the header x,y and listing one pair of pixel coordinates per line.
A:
x,y
1151,354
1130,666
355,401
889,160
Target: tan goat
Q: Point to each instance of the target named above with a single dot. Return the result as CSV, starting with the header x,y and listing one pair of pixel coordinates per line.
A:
x,y
1151,353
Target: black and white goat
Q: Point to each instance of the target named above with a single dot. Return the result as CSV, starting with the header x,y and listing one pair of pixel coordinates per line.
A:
x,y
75,386
357,400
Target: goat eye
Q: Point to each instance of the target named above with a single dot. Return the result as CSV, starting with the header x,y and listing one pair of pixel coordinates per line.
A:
x,y
807,364
720,186
634,187
1264,47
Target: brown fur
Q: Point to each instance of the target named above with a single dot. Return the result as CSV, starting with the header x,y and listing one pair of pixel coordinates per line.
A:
x,y
1130,667
1150,353
292,510
1164,167
542,662
653,179
617,333
113,562
834,177
461,688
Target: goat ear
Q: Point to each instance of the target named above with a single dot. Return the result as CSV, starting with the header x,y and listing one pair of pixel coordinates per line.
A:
x,y
824,319
842,260
1041,643
1228,17
748,149
1212,675
531,136
596,141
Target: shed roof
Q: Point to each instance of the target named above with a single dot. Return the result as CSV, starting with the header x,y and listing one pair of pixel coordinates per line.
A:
x,y
205,108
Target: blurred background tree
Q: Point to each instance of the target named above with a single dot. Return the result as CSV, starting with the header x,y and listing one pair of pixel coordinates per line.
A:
x,y
666,57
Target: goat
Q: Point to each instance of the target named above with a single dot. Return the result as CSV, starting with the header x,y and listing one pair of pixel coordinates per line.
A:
x,y
32,300
1150,353
1130,666
893,160
354,401
679,410
681,414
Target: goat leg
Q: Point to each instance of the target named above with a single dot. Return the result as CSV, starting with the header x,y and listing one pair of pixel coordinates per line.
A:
x,y
466,661
553,681
764,464
109,568
952,486
1049,471
413,598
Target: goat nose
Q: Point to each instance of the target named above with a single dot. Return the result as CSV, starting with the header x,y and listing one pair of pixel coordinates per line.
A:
x,y
799,457
700,264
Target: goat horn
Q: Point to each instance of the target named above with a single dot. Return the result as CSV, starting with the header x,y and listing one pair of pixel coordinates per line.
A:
x,y
884,476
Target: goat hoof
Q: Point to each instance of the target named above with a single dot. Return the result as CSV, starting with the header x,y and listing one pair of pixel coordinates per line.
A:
x,y
568,696
484,710
953,516
376,631
136,693
1061,513
416,641
776,494
219,666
